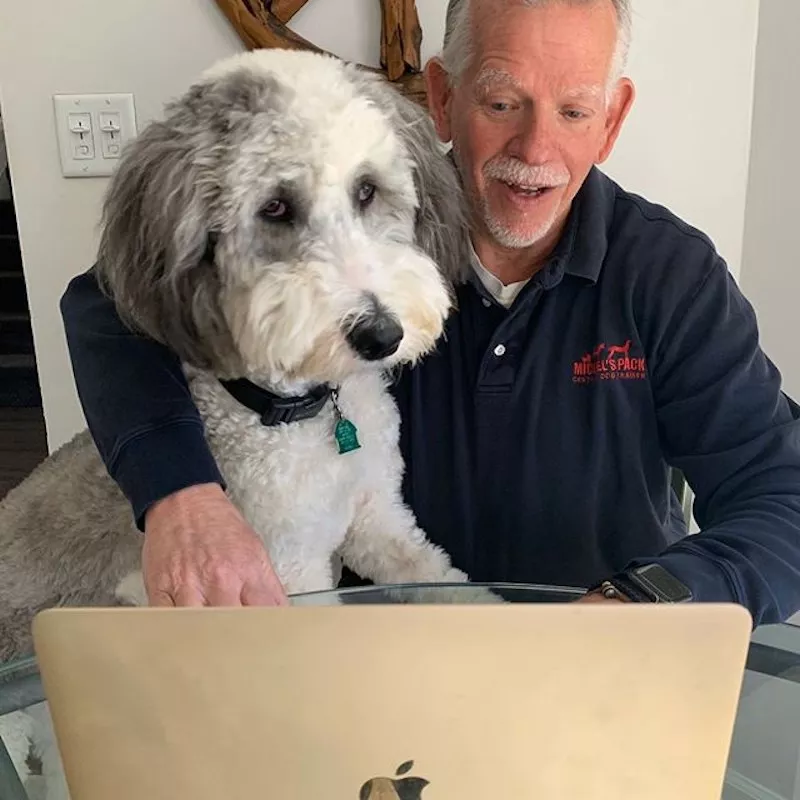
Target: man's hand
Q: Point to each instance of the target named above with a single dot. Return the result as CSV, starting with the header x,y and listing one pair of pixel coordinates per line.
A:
x,y
199,551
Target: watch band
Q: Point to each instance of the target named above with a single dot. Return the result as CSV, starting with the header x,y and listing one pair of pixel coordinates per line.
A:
x,y
647,584
619,588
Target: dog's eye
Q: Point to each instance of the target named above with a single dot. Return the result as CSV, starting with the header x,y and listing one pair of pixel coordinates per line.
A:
x,y
366,192
276,210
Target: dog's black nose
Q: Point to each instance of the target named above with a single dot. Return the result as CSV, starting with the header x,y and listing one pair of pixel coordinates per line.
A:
x,y
376,337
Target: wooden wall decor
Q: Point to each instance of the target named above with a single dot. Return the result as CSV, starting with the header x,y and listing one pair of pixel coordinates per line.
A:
x,y
263,23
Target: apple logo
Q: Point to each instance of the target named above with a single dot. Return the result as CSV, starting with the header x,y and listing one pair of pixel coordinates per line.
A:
x,y
397,788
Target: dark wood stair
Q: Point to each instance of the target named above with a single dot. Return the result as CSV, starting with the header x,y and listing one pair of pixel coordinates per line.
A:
x,y
19,381
23,438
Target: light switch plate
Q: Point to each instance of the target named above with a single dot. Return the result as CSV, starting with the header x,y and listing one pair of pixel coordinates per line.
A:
x,y
96,152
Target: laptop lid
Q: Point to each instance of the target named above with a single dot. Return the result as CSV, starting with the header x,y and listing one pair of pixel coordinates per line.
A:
x,y
394,702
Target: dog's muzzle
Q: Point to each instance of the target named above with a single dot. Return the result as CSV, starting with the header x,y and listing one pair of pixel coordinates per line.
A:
x,y
376,336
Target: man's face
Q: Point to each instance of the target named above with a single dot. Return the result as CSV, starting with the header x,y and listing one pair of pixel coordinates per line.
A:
x,y
532,113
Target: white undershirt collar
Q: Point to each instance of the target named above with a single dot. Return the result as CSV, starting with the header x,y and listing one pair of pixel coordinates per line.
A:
x,y
504,294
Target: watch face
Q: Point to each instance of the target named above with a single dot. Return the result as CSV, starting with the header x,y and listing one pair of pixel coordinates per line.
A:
x,y
654,579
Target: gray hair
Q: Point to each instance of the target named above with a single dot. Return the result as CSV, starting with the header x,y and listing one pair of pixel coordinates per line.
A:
x,y
458,43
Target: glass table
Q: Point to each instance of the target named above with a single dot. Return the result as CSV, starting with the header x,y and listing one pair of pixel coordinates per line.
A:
x,y
764,761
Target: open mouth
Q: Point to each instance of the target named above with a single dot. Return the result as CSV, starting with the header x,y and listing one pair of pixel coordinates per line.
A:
x,y
528,191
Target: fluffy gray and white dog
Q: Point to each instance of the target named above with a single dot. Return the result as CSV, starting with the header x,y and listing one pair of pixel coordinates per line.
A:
x,y
292,221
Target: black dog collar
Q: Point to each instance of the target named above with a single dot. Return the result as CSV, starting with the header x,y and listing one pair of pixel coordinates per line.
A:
x,y
274,409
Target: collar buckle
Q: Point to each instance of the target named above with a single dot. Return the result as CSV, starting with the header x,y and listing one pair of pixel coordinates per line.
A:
x,y
274,409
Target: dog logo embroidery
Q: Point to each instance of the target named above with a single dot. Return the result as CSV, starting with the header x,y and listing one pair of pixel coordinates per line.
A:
x,y
616,365
401,787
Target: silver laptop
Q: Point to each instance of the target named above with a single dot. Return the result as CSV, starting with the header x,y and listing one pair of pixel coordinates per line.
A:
x,y
564,702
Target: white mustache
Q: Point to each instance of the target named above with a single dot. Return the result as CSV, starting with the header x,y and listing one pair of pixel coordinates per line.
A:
x,y
519,174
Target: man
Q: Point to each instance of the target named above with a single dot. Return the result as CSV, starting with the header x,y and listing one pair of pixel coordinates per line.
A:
x,y
601,340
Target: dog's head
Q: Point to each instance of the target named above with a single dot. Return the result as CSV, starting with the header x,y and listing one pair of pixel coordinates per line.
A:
x,y
291,220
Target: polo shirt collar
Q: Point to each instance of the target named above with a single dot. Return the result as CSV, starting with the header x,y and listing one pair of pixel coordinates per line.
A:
x,y
584,245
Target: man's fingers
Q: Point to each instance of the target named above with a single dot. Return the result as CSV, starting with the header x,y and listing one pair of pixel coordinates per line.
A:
x,y
263,593
199,550
186,596
223,594
160,598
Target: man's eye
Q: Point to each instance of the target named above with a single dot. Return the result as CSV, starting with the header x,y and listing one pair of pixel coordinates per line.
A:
x,y
499,106
573,114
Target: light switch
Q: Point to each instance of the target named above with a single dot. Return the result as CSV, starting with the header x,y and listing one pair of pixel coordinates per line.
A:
x,y
110,133
81,141
92,131
80,123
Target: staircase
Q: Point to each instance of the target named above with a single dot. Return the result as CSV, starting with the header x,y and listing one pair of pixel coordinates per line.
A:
x,y
19,383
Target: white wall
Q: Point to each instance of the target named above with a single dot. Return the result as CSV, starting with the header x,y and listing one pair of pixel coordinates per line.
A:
x,y
686,143
675,149
771,264
768,727
149,47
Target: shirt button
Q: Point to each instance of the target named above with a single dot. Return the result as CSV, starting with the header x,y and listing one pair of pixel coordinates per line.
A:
x,y
486,303
500,350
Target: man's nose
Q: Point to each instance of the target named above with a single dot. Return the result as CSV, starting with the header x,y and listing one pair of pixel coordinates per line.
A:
x,y
535,142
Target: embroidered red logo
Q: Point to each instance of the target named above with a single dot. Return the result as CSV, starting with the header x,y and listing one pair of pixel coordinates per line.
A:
x,y
609,363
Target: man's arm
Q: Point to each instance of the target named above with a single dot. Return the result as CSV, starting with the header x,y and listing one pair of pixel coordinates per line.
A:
x,y
136,401
726,424
198,549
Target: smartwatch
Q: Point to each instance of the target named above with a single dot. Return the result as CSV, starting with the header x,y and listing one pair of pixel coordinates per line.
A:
x,y
650,583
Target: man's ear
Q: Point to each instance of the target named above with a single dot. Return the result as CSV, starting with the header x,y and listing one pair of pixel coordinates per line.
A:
x,y
437,83
618,110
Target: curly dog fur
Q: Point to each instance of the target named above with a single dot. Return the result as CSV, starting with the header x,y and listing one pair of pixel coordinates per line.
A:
x,y
291,221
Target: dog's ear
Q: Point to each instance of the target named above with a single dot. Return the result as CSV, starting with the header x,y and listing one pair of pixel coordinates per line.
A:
x,y
441,219
156,255
441,224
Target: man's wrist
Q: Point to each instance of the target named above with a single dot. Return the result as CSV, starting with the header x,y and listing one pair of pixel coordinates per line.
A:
x,y
174,503
161,461
650,583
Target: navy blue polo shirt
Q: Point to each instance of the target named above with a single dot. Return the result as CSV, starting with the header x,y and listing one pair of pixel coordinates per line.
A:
x,y
538,439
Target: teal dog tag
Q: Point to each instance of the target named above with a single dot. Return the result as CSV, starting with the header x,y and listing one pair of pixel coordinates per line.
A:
x,y
346,436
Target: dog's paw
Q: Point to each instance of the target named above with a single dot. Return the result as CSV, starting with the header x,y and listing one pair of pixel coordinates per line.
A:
x,y
452,593
481,595
454,575
324,598
469,593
